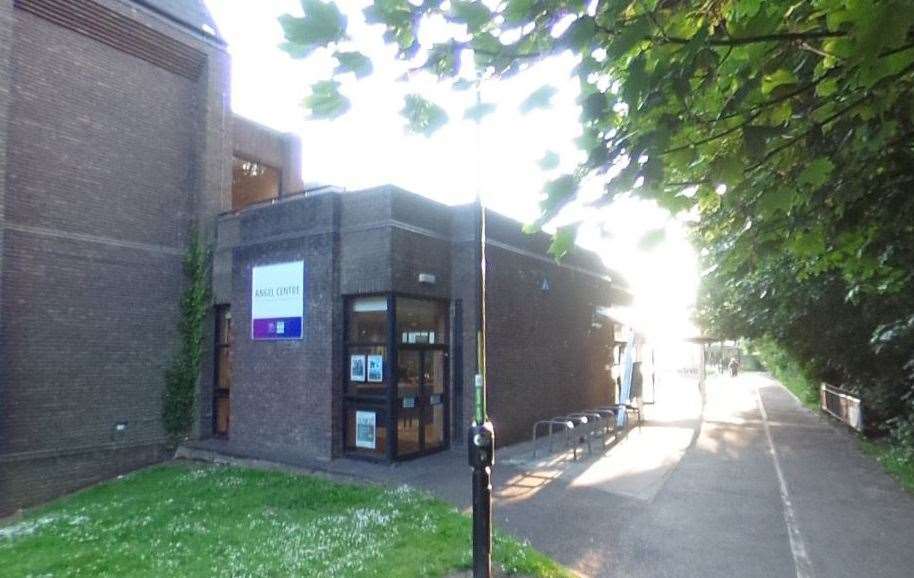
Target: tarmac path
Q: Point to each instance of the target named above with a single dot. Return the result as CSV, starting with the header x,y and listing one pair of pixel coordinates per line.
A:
x,y
748,483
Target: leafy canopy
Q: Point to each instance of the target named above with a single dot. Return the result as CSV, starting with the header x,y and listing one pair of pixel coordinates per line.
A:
x,y
782,128
784,125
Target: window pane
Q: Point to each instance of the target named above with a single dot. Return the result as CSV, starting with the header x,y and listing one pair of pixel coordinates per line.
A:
x,y
253,182
434,425
368,320
407,430
421,321
408,375
224,364
224,329
366,431
362,368
223,415
434,373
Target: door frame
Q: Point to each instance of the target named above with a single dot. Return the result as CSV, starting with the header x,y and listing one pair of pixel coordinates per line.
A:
x,y
389,401
423,349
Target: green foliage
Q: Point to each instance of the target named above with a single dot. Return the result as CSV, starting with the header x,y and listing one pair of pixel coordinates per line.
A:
x,y
423,116
354,62
479,111
788,371
801,109
193,520
853,344
182,377
321,25
785,127
549,161
325,101
540,98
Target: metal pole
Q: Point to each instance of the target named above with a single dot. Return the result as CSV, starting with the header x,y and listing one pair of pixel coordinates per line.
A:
x,y
481,444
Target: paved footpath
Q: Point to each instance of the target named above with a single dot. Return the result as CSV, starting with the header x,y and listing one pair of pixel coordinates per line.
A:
x,y
748,483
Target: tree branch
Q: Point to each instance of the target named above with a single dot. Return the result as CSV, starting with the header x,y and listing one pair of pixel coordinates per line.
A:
x,y
777,37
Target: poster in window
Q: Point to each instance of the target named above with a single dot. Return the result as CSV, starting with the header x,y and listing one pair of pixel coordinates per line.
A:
x,y
357,368
376,368
365,429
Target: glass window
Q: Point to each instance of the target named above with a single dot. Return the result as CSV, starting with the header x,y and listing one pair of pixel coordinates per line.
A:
x,y
408,375
421,321
368,320
223,416
434,425
253,182
434,372
364,375
222,407
408,424
224,368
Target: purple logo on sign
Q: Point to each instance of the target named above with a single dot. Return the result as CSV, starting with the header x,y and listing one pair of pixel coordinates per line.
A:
x,y
280,328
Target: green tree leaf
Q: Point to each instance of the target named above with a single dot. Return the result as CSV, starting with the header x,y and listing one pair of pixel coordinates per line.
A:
x,y
325,101
816,174
321,25
563,242
540,98
422,116
549,161
777,79
557,192
779,199
354,62
474,14
516,11
479,110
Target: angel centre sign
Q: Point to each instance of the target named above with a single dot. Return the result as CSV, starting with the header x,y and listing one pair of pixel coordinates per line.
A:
x,y
277,301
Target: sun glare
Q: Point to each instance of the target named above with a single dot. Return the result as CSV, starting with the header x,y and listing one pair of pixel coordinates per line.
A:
x,y
499,158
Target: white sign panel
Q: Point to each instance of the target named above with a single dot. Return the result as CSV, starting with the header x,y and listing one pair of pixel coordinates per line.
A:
x,y
278,301
365,429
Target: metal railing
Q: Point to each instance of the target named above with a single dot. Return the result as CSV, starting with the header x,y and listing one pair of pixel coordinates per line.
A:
x,y
843,406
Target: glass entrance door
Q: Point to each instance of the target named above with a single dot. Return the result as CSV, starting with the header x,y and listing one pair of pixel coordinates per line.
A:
x,y
421,400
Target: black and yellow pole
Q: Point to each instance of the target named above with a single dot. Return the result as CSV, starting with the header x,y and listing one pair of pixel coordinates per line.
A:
x,y
481,435
481,441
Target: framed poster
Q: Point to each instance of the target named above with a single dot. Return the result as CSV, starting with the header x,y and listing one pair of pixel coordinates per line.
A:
x,y
375,368
365,429
277,301
357,368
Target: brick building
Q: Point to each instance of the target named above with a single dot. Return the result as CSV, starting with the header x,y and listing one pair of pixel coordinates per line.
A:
x,y
116,138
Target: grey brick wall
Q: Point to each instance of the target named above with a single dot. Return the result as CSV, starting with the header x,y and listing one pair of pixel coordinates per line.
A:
x,y
284,392
109,161
545,358
6,42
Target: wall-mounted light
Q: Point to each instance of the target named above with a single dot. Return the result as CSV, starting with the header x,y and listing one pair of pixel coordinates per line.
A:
x,y
427,278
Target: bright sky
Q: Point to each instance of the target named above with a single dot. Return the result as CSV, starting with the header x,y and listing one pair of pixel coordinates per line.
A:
x,y
369,146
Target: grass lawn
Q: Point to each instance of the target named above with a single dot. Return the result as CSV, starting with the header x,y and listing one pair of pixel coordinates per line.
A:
x,y
181,520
